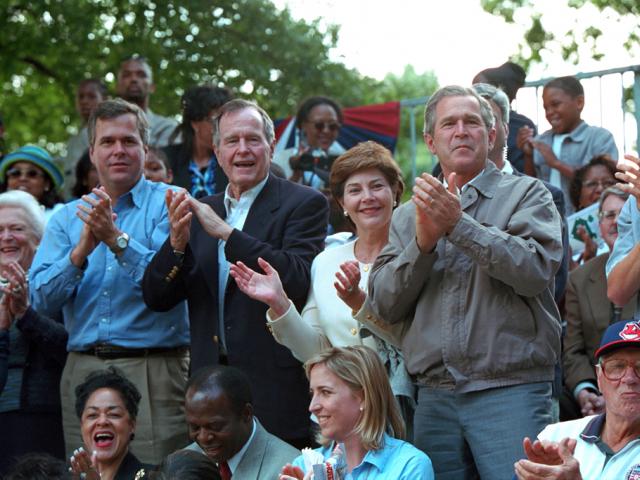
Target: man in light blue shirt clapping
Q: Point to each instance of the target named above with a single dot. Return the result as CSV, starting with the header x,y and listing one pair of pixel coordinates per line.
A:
x,y
90,265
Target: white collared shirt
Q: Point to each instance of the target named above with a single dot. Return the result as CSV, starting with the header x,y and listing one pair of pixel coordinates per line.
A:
x,y
237,212
234,461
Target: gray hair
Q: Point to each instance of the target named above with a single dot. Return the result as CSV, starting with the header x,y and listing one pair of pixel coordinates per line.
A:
x,y
237,105
489,92
29,205
486,112
611,191
110,109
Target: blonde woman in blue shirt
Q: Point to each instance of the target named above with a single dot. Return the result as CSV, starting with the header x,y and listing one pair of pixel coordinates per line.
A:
x,y
359,420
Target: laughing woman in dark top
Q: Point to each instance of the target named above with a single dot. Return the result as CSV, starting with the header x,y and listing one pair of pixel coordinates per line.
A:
x,y
107,406
34,347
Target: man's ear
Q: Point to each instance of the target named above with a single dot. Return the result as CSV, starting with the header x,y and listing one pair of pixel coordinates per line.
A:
x,y
429,142
247,412
580,102
272,148
491,138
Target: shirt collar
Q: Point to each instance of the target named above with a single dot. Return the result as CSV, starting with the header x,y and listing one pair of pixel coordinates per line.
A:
x,y
137,193
593,430
379,457
234,461
579,133
247,197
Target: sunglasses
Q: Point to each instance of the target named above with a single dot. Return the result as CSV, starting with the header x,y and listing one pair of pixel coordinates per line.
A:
x,y
18,172
321,126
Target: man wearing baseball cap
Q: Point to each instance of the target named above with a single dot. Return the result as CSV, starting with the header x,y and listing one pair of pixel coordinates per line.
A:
x,y
604,446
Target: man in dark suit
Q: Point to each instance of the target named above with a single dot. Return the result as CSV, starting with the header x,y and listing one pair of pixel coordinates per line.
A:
x,y
259,215
219,412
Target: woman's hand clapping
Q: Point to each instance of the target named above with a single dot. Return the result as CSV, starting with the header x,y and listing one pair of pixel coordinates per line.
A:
x,y
347,285
265,288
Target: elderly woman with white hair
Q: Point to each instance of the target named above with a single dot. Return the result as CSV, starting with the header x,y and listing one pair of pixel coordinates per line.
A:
x,y
34,346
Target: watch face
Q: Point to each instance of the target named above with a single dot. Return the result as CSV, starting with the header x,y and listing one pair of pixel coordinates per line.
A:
x,y
122,242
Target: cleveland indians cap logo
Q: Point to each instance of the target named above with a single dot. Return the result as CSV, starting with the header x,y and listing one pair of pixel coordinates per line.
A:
x,y
631,331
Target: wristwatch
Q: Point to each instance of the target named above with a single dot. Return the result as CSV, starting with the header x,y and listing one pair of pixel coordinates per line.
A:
x,y
122,241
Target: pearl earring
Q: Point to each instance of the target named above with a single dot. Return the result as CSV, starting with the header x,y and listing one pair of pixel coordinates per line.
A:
x,y
345,213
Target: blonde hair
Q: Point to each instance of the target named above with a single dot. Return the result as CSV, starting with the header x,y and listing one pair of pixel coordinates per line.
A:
x,y
362,370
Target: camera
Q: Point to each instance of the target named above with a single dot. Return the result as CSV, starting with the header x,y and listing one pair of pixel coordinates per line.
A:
x,y
316,160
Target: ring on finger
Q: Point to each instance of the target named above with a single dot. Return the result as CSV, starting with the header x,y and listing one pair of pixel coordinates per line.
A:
x,y
17,289
350,289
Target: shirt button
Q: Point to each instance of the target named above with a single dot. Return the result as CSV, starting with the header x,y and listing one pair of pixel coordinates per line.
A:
x,y
108,269
124,264
105,293
104,320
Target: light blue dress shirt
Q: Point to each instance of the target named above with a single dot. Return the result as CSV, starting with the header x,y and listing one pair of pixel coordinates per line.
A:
x,y
628,236
396,460
102,302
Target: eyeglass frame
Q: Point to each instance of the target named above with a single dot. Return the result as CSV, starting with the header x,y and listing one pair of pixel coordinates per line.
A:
x,y
627,364
591,184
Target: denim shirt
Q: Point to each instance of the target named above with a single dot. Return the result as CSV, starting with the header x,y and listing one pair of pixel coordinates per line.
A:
x,y
102,301
628,237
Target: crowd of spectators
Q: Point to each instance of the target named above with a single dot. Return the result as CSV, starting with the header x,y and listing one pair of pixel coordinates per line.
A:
x,y
176,302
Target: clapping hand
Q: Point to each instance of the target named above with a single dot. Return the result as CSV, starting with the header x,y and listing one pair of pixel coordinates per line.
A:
x,y
179,212
438,209
553,460
84,467
99,216
265,288
289,472
347,285
629,174
16,292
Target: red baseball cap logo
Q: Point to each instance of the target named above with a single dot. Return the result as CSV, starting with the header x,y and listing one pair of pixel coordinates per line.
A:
x,y
631,331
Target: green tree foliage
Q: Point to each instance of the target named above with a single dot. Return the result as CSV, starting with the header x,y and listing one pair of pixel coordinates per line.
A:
x,y
409,85
48,46
537,38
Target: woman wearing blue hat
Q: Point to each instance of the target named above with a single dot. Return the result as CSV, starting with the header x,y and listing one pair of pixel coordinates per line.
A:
x,y
31,169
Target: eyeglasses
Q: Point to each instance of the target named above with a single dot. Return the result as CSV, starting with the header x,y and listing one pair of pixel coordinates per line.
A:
x,y
591,184
321,126
615,369
18,172
610,215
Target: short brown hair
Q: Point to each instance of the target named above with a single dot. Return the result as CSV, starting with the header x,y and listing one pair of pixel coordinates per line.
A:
x,y
363,156
110,109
